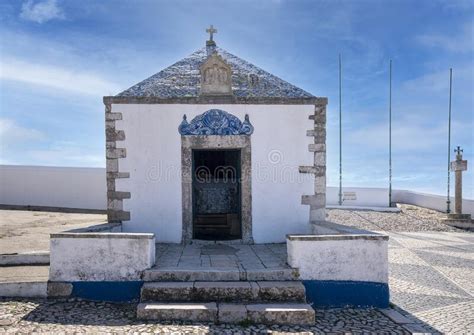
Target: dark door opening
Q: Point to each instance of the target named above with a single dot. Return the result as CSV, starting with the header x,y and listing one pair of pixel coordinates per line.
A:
x,y
216,195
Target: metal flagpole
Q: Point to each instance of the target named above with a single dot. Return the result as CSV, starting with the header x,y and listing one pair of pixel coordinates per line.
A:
x,y
390,139
340,130
448,201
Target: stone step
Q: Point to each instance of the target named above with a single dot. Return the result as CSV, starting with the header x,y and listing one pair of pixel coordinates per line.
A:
x,y
213,274
274,313
235,291
178,312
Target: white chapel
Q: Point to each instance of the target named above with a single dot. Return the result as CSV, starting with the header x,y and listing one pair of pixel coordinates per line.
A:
x,y
215,148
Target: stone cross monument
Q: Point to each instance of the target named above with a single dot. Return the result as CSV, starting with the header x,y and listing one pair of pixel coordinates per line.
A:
x,y
458,219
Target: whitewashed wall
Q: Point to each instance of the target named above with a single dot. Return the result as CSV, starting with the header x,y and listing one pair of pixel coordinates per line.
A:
x,y
367,196
67,187
153,144
100,256
432,201
331,257
84,188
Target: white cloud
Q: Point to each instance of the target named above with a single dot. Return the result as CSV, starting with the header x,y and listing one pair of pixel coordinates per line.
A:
x,y
461,42
56,77
41,11
12,134
438,81
431,82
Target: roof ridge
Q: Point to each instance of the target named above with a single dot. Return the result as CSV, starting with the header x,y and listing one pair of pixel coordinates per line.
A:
x,y
182,79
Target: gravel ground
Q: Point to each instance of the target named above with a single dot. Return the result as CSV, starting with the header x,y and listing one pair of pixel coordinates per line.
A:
x,y
28,231
410,219
49,316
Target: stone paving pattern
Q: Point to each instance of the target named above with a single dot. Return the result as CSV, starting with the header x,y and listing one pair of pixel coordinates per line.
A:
x,y
228,257
431,265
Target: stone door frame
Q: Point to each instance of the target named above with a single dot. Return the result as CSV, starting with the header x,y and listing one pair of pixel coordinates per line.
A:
x,y
219,142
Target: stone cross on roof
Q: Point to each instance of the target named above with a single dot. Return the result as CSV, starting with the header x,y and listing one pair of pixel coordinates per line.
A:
x,y
458,150
211,30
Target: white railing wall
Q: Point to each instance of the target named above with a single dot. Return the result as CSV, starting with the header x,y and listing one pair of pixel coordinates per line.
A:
x,y
432,201
85,188
63,187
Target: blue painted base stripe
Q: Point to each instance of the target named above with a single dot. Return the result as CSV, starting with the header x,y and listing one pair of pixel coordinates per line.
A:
x,y
335,294
118,291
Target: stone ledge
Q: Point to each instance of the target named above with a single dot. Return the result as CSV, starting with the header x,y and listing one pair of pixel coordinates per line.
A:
x,y
25,258
462,224
323,227
318,200
113,116
131,236
204,312
177,274
454,216
115,175
26,289
339,237
101,227
216,99
312,169
119,195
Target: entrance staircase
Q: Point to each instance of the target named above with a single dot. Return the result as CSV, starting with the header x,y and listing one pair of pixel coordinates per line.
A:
x,y
220,296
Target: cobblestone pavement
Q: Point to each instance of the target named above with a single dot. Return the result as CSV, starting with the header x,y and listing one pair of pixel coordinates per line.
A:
x,y
48,316
431,282
431,272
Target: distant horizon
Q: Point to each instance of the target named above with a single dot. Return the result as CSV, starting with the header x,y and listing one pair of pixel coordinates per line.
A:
x,y
332,186
59,58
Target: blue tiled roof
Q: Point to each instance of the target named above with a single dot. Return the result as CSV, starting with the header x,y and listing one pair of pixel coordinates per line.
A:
x,y
182,79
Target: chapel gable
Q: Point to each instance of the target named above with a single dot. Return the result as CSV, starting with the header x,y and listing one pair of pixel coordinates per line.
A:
x,y
216,76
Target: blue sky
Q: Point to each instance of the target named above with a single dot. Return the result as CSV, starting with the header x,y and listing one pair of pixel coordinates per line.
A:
x,y
58,58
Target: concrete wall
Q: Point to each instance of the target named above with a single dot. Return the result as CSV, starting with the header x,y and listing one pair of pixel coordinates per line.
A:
x,y
344,257
357,196
153,145
100,256
85,188
436,202
53,186
341,266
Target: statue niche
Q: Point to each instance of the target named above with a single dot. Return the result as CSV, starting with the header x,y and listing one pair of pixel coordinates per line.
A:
x,y
216,76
